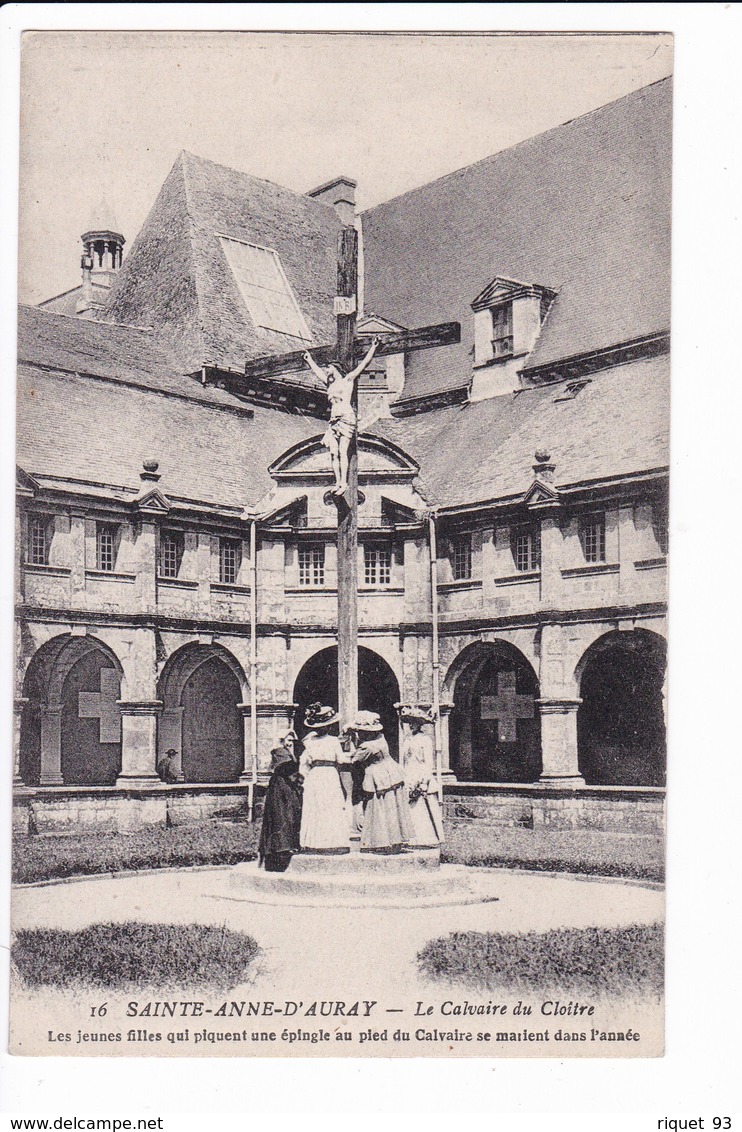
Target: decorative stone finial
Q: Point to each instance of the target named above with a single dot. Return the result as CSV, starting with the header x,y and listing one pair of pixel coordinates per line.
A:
x,y
150,470
543,469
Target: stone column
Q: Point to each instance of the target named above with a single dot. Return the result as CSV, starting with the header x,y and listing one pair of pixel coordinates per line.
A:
x,y
447,774
77,562
18,705
145,564
51,745
139,742
559,742
552,555
170,736
274,720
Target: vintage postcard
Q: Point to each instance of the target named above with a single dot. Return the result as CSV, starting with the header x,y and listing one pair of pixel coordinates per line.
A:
x,y
342,544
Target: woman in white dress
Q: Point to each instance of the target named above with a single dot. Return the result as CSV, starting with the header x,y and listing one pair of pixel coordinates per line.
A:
x,y
418,765
325,822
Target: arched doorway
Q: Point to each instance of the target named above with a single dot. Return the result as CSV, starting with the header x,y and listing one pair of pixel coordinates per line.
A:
x,y
378,689
495,733
620,723
201,688
71,724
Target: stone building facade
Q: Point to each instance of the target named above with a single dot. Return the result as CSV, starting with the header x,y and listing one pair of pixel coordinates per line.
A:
x,y
176,556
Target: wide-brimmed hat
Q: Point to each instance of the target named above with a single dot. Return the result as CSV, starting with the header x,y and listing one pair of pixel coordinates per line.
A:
x,y
367,721
318,715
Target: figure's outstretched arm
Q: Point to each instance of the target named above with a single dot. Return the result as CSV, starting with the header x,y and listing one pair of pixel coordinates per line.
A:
x,y
354,373
316,370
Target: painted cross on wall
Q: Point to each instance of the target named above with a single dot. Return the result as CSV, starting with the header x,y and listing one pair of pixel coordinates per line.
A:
x,y
507,707
102,706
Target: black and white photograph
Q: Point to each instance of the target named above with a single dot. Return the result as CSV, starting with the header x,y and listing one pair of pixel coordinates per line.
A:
x,y
342,536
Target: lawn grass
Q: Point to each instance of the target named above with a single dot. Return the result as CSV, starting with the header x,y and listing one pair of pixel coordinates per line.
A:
x,y
608,961
218,842
590,852
134,956
50,856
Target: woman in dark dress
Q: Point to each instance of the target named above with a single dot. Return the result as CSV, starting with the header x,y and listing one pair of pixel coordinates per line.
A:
x,y
279,835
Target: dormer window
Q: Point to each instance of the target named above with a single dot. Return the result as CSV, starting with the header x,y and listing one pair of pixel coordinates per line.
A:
x,y
507,321
502,330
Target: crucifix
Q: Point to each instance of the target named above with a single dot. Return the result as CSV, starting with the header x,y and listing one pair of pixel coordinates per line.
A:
x,y
338,369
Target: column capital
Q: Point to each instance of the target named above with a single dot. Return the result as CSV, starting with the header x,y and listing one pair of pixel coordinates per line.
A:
x,y
140,707
552,706
265,708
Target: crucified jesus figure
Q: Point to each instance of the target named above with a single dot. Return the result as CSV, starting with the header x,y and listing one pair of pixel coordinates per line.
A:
x,y
343,415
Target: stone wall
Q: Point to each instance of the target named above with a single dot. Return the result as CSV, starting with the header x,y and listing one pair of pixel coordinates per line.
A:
x,y
481,807
606,809
108,810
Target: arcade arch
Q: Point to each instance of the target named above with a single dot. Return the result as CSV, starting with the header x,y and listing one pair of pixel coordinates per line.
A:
x,y
202,689
621,737
378,689
494,727
71,723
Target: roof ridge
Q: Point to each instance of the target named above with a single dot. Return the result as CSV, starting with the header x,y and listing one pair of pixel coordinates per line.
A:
x,y
195,265
516,145
254,177
39,308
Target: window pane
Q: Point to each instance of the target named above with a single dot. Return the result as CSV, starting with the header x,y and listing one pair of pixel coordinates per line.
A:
x,y
461,558
37,548
106,546
502,330
170,547
229,560
526,547
311,565
593,538
377,563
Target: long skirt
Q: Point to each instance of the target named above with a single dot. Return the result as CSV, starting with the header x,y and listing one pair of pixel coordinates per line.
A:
x,y
426,820
386,820
325,823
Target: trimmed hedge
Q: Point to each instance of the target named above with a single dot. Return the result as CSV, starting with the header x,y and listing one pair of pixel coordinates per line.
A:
x,y
612,961
49,856
134,955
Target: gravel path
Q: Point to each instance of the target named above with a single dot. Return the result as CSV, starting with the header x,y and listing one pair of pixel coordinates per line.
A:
x,y
329,955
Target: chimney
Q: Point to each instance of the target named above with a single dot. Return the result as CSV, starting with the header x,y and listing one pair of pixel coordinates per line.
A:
x,y
103,253
340,194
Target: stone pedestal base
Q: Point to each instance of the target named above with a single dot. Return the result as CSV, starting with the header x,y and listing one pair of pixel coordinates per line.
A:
x,y
415,879
363,886
568,782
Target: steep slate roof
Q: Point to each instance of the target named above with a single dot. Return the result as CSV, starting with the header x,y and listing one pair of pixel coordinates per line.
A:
x,y
118,353
582,209
616,425
176,277
81,428
66,303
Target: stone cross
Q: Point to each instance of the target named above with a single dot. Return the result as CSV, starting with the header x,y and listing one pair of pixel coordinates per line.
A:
x,y
347,353
103,706
507,707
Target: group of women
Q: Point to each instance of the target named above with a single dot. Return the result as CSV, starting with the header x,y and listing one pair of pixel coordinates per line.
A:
x,y
341,787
